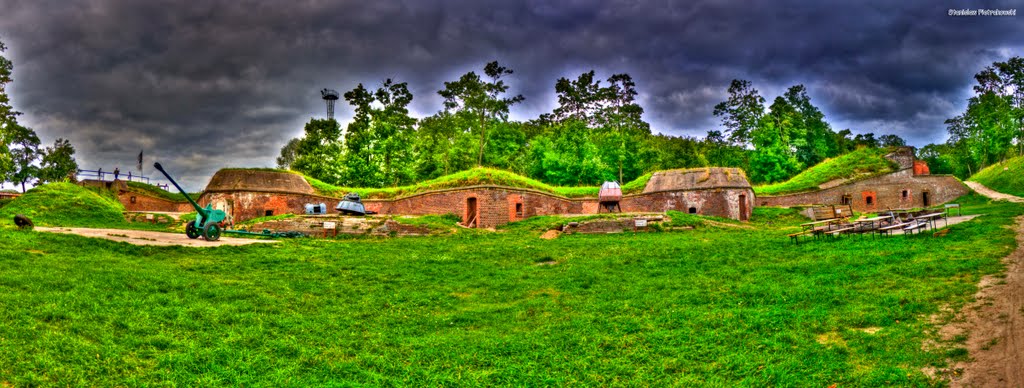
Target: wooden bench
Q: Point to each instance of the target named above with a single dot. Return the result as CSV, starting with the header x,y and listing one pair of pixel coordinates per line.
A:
x,y
795,237
841,230
918,225
887,230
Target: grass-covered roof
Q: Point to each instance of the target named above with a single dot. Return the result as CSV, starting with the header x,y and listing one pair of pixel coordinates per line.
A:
x,y
859,164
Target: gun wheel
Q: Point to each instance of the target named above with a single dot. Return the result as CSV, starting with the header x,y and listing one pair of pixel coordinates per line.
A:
x,y
192,231
211,232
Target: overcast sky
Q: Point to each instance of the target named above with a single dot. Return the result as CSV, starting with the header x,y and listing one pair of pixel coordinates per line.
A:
x,y
202,85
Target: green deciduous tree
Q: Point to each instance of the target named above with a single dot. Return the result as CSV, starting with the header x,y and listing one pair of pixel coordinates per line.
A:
x,y
819,142
891,140
24,150
7,116
288,153
58,162
444,144
392,134
772,159
319,151
484,99
568,156
741,113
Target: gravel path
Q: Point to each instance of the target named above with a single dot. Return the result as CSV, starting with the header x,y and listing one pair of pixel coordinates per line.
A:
x,y
981,189
994,325
145,237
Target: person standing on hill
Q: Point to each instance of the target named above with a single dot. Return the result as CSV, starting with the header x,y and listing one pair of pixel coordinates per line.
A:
x,y
117,171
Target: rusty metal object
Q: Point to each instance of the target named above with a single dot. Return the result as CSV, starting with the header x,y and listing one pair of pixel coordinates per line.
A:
x,y
23,222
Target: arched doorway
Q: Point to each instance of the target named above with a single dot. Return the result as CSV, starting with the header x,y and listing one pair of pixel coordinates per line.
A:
x,y
472,216
743,207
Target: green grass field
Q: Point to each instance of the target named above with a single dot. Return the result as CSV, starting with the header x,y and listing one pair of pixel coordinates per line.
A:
x,y
862,163
157,192
1006,177
714,306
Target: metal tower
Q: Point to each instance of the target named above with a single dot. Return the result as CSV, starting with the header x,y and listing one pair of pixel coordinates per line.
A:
x,y
329,96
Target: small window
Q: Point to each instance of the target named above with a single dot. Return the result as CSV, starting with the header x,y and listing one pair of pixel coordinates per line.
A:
x,y
132,199
519,210
905,194
846,200
269,213
693,210
869,200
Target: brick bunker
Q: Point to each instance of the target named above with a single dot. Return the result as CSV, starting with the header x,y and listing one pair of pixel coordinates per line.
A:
x,y
722,192
910,186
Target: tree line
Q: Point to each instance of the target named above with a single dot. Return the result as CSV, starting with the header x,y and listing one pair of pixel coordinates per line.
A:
x,y
991,128
22,161
596,133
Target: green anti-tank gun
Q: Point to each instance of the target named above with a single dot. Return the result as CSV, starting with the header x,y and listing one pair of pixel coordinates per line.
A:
x,y
209,221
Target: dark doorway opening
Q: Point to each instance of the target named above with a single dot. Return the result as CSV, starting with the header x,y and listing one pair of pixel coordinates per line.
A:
x,y
846,200
743,207
471,213
924,199
269,213
869,200
693,210
519,210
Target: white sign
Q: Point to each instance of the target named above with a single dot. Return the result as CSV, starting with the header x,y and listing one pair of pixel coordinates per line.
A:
x,y
330,225
641,223
149,217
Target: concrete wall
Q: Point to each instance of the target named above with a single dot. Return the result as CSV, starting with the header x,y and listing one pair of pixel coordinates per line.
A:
x,y
898,190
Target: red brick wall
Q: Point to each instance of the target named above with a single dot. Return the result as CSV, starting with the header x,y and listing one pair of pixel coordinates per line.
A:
x,y
887,189
145,203
245,205
921,168
496,205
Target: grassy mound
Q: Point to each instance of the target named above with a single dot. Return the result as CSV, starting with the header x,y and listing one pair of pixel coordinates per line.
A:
x,y
862,163
66,204
1006,177
472,177
153,191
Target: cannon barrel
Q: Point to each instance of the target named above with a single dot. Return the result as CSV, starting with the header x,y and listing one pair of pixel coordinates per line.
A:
x,y
199,210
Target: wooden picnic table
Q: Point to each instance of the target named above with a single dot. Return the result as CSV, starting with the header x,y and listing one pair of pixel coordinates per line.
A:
x,y
829,223
870,223
931,217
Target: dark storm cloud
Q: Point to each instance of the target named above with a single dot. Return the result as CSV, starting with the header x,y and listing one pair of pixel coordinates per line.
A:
x,y
203,85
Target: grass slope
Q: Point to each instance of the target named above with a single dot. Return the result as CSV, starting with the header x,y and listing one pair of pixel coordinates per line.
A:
x,y
472,177
67,204
707,307
861,163
157,192
1006,177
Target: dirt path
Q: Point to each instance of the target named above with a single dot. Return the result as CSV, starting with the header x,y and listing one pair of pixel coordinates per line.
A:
x,y
145,237
981,189
994,325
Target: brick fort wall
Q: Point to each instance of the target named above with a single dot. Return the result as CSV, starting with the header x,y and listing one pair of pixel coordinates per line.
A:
x,y
899,190
494,205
